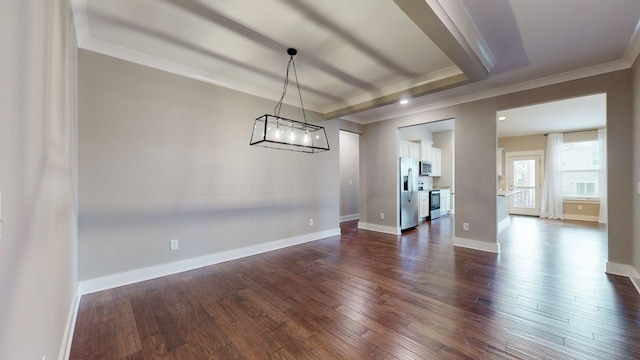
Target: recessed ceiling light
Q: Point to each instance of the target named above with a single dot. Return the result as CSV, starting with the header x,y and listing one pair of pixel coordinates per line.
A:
x,y
502,118
404,101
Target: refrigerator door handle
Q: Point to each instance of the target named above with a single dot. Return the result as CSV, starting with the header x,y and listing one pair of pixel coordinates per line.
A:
x,y
410,182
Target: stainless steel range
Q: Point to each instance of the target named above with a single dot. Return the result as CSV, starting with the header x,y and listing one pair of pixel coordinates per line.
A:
x,y
434,204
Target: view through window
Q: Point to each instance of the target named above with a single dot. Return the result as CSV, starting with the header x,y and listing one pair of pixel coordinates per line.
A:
x,y
581,169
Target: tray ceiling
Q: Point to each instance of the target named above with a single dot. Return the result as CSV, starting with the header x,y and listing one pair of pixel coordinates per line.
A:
x,y
357,58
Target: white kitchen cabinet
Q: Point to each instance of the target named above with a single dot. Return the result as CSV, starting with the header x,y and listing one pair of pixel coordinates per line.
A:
x,y
425,150
432,154
414,151
409,149
423,204
436,161
445,201
404,149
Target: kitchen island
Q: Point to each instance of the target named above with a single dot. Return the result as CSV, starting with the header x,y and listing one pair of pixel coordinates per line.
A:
x,y
504,219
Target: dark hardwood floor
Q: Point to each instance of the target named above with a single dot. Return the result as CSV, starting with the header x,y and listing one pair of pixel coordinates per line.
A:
x,y
366,295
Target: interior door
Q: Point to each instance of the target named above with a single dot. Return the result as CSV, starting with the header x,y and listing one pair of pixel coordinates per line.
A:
x,y
524,179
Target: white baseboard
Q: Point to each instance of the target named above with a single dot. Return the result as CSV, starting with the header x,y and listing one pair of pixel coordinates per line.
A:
x,y
618,269
138,275
379,228
504,223
578,217
624,270
65,346
636,282
477,245
349,217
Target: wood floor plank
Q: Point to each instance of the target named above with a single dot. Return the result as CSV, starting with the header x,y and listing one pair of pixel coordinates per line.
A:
x,y
127,335
367,295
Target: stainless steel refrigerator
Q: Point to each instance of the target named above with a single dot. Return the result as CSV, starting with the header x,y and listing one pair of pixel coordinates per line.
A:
x,y
408,193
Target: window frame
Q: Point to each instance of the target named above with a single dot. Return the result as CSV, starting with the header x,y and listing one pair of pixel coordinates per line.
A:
x,y
583,199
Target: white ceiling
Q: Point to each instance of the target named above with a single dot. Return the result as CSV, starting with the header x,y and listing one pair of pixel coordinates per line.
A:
x,y
583,113
357,58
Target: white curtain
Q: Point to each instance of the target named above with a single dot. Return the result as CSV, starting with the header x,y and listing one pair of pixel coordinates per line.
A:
x,y
602,143
551,206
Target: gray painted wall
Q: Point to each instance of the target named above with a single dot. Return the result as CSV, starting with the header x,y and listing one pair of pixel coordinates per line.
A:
x,y
636,165
475,166
349,173
164,157
37,177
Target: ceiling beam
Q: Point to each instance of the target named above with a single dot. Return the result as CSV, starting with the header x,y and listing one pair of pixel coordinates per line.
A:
x,y
437,26
416,91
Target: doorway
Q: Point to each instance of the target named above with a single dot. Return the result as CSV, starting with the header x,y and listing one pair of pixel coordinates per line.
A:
x,y
432,143
349,175
524,179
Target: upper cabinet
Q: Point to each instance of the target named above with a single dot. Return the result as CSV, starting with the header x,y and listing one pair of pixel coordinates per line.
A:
x,y
409,149
425,150
432,154
436,162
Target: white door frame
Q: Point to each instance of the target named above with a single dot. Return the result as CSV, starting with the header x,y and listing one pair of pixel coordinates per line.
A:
x,y
512,154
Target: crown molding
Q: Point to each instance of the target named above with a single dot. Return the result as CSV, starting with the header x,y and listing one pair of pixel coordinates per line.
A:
x,y
80,21
432,19
455,16
633,48
401,87
141,58
84,41
486,94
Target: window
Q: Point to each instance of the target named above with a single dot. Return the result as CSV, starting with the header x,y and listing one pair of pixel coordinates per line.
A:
x,y
581,169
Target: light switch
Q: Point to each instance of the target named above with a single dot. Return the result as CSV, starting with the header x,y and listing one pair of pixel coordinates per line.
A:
x,y
638,187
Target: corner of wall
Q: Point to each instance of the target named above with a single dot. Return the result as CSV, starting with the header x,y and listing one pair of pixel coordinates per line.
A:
x,y
624,270
72,316
477,245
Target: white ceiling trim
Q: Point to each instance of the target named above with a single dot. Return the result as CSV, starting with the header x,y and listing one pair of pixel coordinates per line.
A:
x,y
633,49
436,24
109,49
457,19
80,21
407,85
527,85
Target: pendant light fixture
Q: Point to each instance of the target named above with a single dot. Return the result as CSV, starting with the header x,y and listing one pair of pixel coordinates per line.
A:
x,y
274,131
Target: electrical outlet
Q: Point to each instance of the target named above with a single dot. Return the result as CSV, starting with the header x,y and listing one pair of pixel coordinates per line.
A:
x,y
310,222
350,183
579,207
465,226
174,244
381,216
